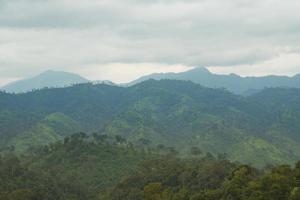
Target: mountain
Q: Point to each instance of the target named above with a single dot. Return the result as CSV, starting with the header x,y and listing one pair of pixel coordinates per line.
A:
x,y
232,82
49,78
261,128
52,128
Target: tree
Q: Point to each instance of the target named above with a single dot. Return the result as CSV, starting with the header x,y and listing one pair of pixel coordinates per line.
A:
x,y
195,151
120,139
153,191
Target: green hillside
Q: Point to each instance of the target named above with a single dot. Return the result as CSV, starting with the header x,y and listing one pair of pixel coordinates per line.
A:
x,y
110,168
259,129
52,128
80,167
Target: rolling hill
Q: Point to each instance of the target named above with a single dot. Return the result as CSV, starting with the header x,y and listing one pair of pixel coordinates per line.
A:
x,y
261,128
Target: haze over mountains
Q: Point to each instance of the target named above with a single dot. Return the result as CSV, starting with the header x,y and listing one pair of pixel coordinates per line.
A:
x,y
200,75
232,82
48,78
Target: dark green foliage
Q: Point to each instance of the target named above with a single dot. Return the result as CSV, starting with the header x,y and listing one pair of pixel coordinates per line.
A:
x,y
259,129
206,179
79,168
103,168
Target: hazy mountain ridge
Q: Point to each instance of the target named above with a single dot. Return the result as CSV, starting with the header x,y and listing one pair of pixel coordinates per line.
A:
x,y
48,78
232,82
239,85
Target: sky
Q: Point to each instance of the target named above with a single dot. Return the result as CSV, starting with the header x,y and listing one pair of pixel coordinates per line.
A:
x,y
120,40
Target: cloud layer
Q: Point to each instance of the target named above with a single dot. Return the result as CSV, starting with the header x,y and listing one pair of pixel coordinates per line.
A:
x,y
83,36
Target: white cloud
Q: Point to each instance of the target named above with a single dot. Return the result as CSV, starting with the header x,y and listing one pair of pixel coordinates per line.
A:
x,y
4,81
283,64
123,73
36,35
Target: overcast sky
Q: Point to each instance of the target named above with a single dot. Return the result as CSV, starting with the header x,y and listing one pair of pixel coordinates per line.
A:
x,y
120,40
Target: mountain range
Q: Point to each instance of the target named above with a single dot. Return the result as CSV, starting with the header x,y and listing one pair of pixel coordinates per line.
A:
x,y
48,78
261,128
232,82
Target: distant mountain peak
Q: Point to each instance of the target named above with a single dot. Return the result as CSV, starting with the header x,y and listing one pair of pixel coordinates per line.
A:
x,y
49,78
199,70
53,72
232,82
50,71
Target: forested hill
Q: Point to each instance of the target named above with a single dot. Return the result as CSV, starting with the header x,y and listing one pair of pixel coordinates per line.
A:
x,y
259,129
100,167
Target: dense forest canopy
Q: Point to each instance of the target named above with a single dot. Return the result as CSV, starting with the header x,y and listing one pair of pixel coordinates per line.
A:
x,y
100,167
156,140
259,129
